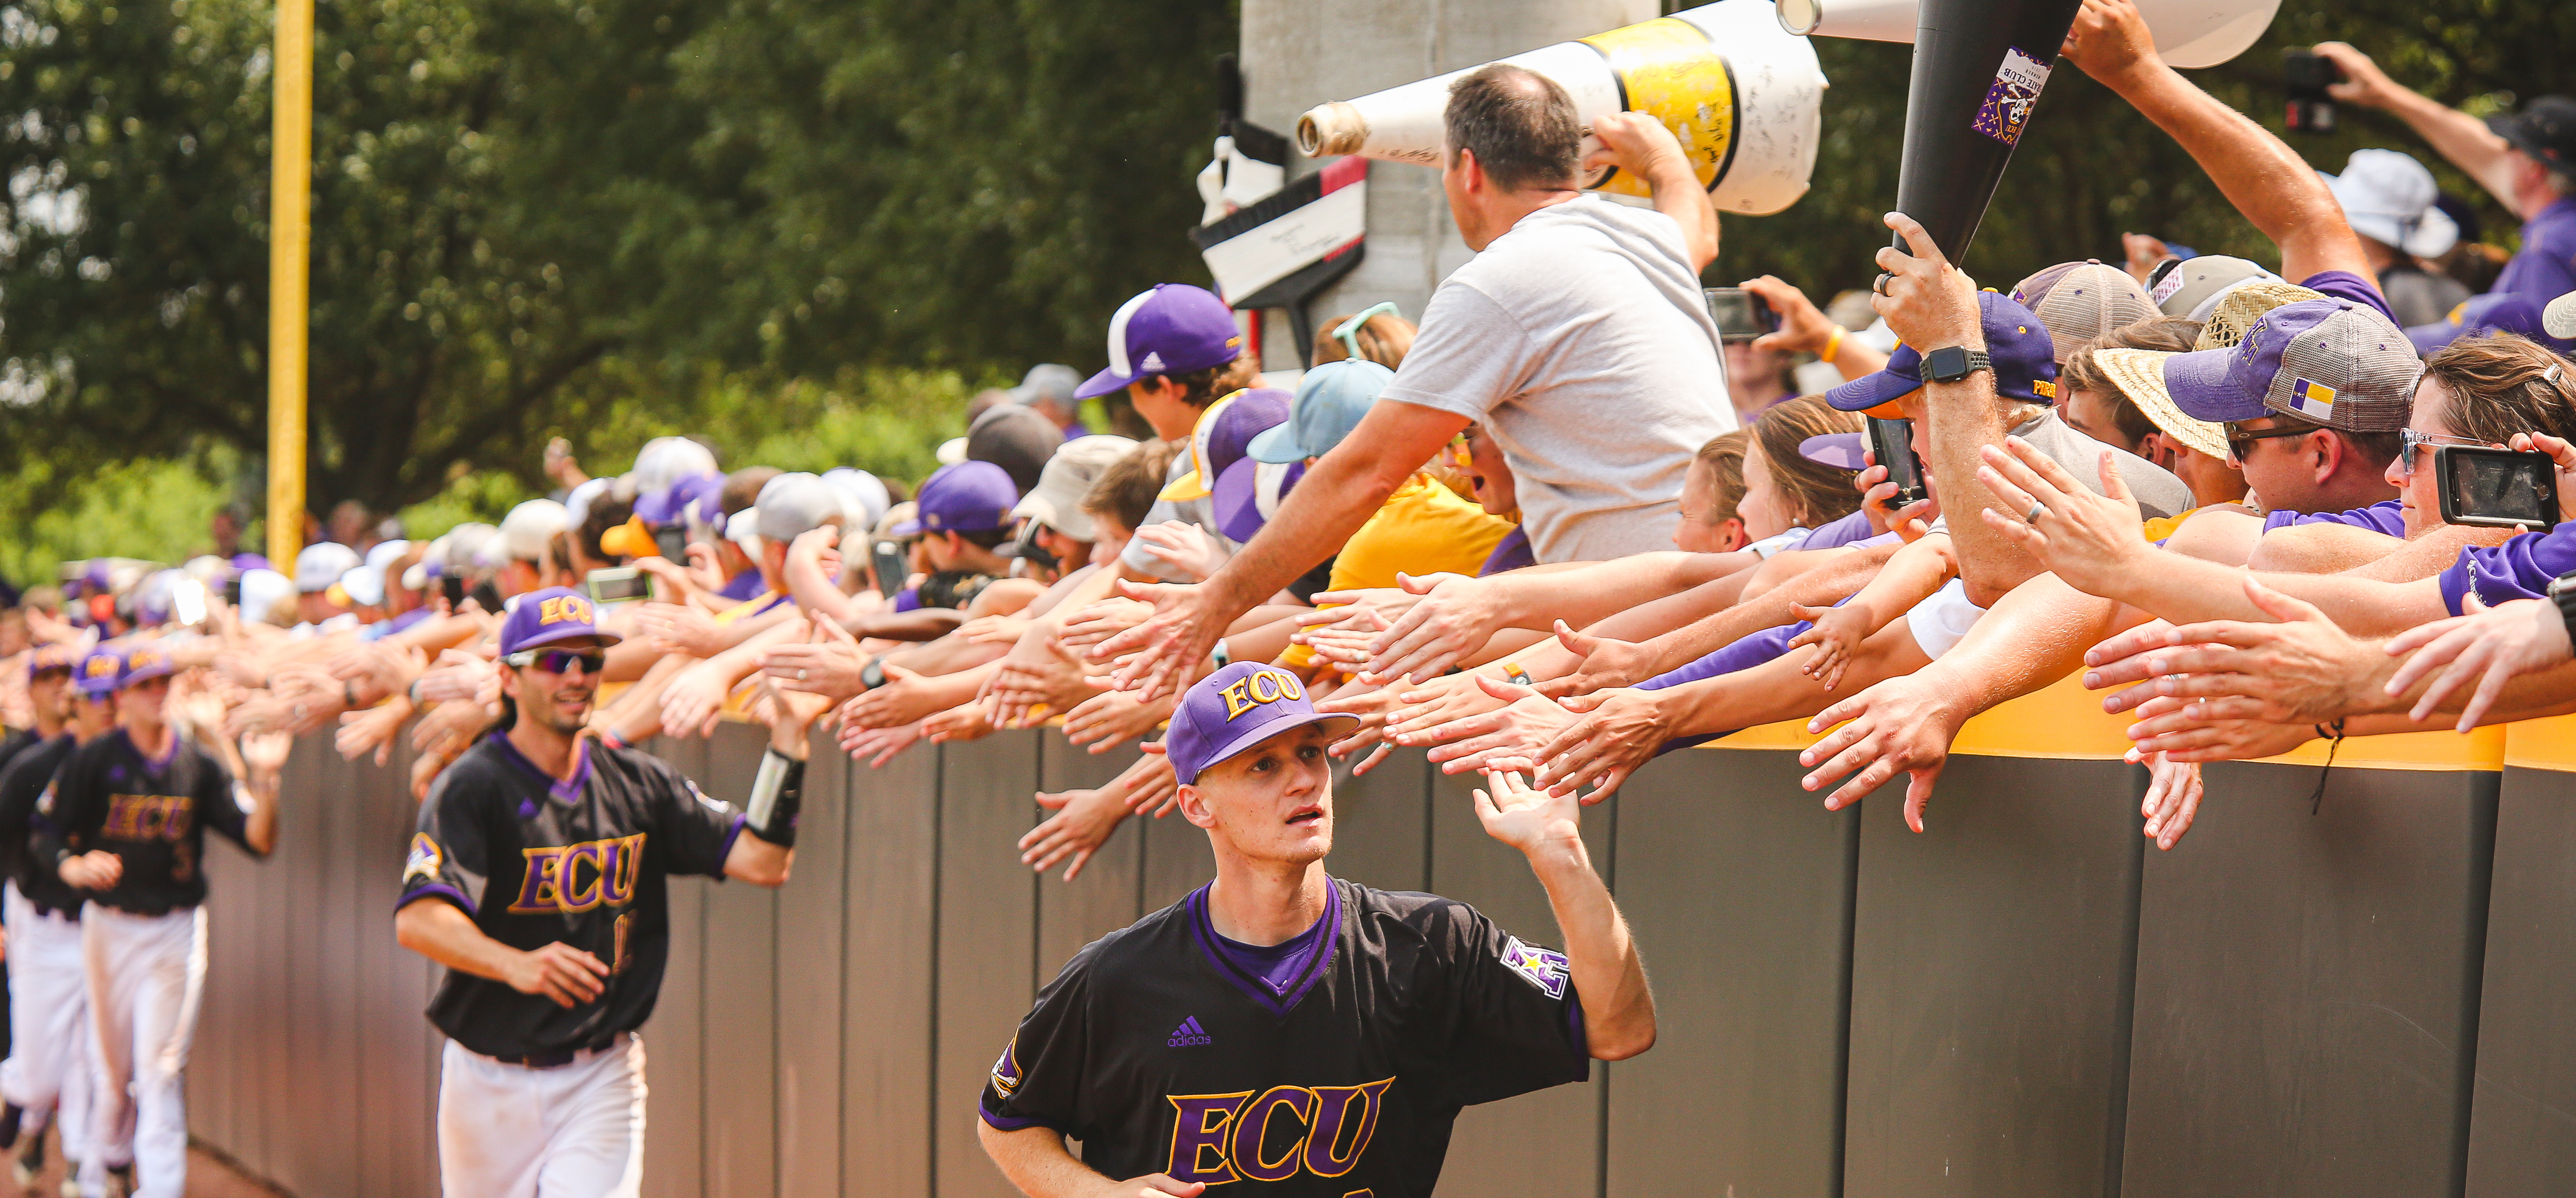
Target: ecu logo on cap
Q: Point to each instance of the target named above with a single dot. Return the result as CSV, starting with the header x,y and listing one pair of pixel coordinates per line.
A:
x,y
1262,686
99,666
564,609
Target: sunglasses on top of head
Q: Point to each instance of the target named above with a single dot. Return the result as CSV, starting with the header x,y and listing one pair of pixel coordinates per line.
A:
x,y
560,661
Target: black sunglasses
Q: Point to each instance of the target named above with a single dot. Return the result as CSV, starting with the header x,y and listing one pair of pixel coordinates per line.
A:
x,y
560,661
2240,440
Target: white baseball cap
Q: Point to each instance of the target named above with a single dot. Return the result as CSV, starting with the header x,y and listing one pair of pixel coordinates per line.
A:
x,y
2560,316
2388,197
525,531
322,564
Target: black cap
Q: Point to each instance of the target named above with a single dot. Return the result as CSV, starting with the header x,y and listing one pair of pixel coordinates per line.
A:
x,y
1017,438
2544,129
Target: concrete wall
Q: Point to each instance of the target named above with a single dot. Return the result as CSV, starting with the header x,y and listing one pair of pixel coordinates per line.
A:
x,y
1301,53
2358,993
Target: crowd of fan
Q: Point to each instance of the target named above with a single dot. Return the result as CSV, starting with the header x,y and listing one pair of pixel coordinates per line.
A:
x,y
1561,525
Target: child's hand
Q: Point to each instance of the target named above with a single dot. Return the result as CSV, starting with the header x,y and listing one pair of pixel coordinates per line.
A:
x,y
1837,631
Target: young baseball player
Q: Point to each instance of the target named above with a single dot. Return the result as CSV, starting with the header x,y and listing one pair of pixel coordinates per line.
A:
x,y
539,877
1281,1027
48,1071
126,822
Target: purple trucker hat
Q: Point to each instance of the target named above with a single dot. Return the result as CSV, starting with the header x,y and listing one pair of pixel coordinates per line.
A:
x,y
551,615
2480,315
1234,709
1249,493
1173,329
2025,361
966,497
2332,361
1224,436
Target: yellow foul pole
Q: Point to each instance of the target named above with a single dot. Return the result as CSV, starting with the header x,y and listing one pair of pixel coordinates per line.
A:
x,y
290,230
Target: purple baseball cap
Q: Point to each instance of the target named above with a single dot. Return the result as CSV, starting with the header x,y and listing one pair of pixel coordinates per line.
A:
x,y
1249,493
47,658
1173,329
667,505
966,497
551,615
2332,361
2480,315
1839,450
99,671
1234,709
1224,435
2025,362
146,660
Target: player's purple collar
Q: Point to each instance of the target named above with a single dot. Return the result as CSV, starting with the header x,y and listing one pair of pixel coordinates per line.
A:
x,y
567,789
1309,970
156,764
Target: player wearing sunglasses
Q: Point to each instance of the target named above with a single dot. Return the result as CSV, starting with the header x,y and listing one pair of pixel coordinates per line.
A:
x,y
539,878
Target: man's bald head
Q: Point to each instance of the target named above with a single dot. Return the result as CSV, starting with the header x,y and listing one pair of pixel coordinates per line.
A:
x,y
1521,127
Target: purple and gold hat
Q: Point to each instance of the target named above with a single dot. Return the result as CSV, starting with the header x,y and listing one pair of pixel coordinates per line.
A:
x,y
1173,329
2330,361
1234,709
2481,315
99,671
966,497
45,659
551,615
2025,362
145,661
1223,436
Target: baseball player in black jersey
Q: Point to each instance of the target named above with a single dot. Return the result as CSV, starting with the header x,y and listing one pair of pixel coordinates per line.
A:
x,y
125,821
48,1071
1306,1035
539,877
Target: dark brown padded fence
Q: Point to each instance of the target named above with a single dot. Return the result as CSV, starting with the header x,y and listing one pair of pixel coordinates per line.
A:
x,y
2366,999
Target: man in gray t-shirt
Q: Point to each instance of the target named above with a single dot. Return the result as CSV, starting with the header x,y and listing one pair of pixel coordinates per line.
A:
x,y
1582,345
1580,341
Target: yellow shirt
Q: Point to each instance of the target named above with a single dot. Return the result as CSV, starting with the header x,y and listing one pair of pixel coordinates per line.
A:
x,y
1423,528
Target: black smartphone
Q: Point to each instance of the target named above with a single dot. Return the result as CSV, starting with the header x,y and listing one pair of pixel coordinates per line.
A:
x,y
1892,441
453,587
887,558
2496,488
2304,76
625,584
673,542
1740,314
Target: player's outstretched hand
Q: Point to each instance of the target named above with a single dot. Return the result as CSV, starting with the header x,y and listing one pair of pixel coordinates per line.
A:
x,y
97,869
1159,1185
560,972
1526,819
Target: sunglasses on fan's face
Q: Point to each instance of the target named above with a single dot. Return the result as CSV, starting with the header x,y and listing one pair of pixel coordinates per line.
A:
x,y
2240,439
2409,441
561,661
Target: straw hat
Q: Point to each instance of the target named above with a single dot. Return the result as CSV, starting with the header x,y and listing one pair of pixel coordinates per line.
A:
x,y
2140,373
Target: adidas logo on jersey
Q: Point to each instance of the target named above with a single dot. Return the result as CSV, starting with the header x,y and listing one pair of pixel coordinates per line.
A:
x,y
1189,1034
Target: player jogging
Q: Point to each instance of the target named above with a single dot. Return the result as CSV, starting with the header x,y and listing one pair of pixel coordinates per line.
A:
x,y
539,878
1283,1028
47,1074
126,822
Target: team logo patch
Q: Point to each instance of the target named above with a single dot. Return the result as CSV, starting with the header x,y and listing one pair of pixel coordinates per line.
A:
x,y
1189,1034
2009,100
1006,1070
2312,399
425,860
1544,968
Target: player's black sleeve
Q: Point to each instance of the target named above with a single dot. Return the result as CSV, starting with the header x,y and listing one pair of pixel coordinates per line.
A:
x,y
1043,1077
22,782
70,809
450,855
695,832
1515,1024
223,806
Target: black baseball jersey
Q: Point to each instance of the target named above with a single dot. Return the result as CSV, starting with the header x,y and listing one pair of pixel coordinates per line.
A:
x,y
18,741
1163,1051
152,813
22,784
535,860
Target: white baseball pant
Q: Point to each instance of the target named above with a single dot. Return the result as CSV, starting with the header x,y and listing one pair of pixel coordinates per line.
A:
x,y
573,1131
146,973
48,1070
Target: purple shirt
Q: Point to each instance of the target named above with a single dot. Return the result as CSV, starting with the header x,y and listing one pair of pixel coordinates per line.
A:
x,y
2518,569
1850,530
1278,966
907,599
2343,284
742,587
2386,516
1751,651
1510,553
2546,267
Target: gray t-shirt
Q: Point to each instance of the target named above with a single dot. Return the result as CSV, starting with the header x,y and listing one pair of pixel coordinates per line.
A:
x,y
1200,511
2159,493
1581,341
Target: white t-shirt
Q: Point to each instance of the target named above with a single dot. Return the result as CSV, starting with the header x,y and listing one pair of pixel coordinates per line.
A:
x,y
1582,342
